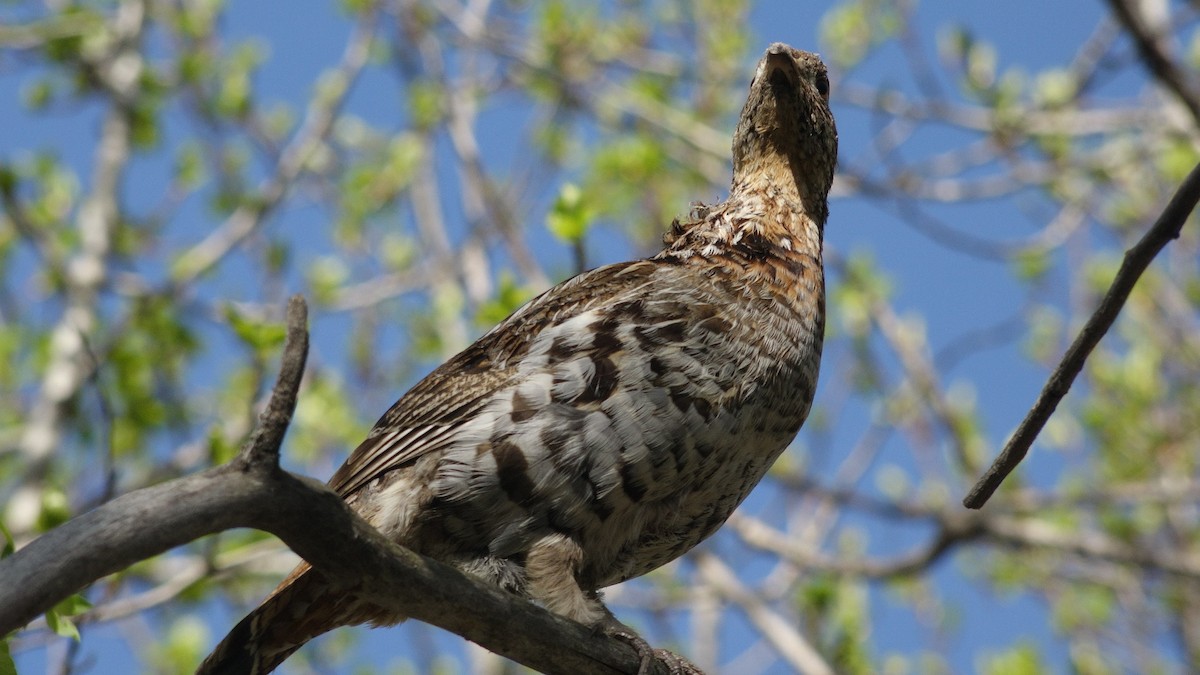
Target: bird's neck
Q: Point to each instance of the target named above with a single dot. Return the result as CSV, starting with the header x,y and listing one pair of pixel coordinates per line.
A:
x,y
770,173
765,169
767,216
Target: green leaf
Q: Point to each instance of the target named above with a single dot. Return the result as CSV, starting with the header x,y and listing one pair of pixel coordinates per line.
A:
x,y
58,618
850,30
7,667
1022,659
56,509
424,104
326,417
509,296
1193,50
189,165
39,94
1083,607
1178,158
1055,88
183,645
357,6
570,216
981,65
1032,263
325,275
74,604
9,545
261,336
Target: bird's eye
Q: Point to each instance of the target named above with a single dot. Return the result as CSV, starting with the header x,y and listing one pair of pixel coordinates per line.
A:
x,y
822,83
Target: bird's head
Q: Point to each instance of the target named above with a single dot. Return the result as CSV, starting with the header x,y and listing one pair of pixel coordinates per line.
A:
x,y
786,125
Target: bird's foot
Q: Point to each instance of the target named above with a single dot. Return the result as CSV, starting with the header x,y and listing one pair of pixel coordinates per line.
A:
x,y
676,664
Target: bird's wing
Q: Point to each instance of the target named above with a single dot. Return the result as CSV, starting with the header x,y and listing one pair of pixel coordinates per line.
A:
x,y
427,417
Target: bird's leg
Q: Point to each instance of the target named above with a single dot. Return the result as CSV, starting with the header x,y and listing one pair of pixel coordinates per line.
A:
x,y
550,568
676,664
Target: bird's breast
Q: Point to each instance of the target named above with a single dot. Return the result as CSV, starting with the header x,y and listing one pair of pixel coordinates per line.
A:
x,y
636,427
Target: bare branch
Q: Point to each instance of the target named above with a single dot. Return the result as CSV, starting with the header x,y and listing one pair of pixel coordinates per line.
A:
x,y
776,629
252,491
1150,48
1137,259
263,447
69,365
147,522
1090,544
1075,122
952,530
318,123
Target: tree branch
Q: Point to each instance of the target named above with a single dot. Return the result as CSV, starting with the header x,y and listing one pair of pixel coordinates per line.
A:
x,y
1150,47
1137,259
318,123
147,522
252,491
777,629
97,219
262,450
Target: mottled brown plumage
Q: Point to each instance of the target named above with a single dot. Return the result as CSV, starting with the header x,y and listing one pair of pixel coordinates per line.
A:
x,y
615,421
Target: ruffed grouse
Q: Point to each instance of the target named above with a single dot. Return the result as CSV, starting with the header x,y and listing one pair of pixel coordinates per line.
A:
x,y
616,420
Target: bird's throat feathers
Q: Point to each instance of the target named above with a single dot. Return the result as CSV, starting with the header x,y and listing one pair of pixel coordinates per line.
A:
x,y
758,223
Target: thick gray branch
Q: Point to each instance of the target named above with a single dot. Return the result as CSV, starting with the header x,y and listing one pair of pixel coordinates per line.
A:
x,y
252,491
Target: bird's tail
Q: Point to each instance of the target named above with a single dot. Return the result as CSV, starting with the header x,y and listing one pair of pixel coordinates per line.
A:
x,y
302,607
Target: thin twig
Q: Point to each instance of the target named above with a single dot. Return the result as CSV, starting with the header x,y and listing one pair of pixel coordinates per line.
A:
x,y
96,220
263,446
952,530
318,123
1149,45
1137,259
778,630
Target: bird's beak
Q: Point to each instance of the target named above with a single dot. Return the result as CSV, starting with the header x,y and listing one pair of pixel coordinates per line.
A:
x,y
780,69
